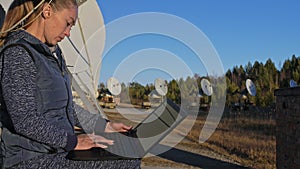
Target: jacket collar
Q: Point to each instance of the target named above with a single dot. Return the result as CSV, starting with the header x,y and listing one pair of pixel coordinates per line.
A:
x,y
13,37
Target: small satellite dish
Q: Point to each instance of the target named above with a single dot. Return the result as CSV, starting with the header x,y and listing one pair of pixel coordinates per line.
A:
x,y
293,83
161,86
250,87
206,87
114,86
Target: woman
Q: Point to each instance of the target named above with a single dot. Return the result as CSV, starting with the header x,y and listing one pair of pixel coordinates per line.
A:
x,y
37,112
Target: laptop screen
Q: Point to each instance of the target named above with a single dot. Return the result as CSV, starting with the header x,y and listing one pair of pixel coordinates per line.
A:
x,y
159,123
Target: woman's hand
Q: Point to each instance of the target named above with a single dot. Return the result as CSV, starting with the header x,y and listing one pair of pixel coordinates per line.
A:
x,y
116,127
87,141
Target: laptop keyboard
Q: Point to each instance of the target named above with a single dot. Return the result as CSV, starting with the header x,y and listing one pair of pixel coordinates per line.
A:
x,y
125,145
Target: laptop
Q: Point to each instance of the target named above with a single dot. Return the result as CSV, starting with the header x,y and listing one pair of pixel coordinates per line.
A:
x,y
137,142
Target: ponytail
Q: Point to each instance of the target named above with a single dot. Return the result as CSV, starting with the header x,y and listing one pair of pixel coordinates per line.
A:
x,y
18,15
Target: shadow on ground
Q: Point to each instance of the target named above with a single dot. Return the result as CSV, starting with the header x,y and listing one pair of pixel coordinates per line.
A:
x,y
196,160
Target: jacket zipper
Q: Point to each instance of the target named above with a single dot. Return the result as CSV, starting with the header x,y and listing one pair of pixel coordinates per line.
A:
x,y
63,75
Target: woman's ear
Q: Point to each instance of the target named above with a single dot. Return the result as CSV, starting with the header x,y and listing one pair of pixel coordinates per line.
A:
x,y
47,11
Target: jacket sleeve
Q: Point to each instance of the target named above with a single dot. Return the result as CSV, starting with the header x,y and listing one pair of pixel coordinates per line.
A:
x,y
19,88
87,121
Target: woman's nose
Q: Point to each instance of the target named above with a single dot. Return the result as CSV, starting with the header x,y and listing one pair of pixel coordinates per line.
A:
x,y
67,32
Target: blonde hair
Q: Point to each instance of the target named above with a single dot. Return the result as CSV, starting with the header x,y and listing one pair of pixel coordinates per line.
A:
x,y
22,13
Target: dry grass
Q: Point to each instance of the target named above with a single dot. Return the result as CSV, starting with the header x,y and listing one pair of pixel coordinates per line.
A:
x,y
250,142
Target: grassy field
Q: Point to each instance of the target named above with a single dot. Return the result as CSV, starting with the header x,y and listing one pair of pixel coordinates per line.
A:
x,y
248,141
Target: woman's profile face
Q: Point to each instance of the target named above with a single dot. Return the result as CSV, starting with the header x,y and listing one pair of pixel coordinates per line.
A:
x,y
59,25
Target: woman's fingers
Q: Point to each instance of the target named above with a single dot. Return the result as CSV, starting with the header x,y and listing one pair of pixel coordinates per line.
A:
x,y
100,139
127,127
117,127
87,141
100,145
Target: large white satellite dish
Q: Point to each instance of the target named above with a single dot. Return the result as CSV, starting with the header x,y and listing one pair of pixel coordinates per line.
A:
x,y
83,50
293,83
114,86
83,53
250,87
161,86
206,87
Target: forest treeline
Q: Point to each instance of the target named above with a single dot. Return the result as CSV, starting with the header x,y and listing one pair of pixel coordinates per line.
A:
x,y
265,76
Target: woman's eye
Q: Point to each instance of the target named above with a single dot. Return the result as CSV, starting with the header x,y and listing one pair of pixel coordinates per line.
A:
x,y
69,25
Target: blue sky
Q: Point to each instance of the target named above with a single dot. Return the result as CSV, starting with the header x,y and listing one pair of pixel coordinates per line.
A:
x,y
240,30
